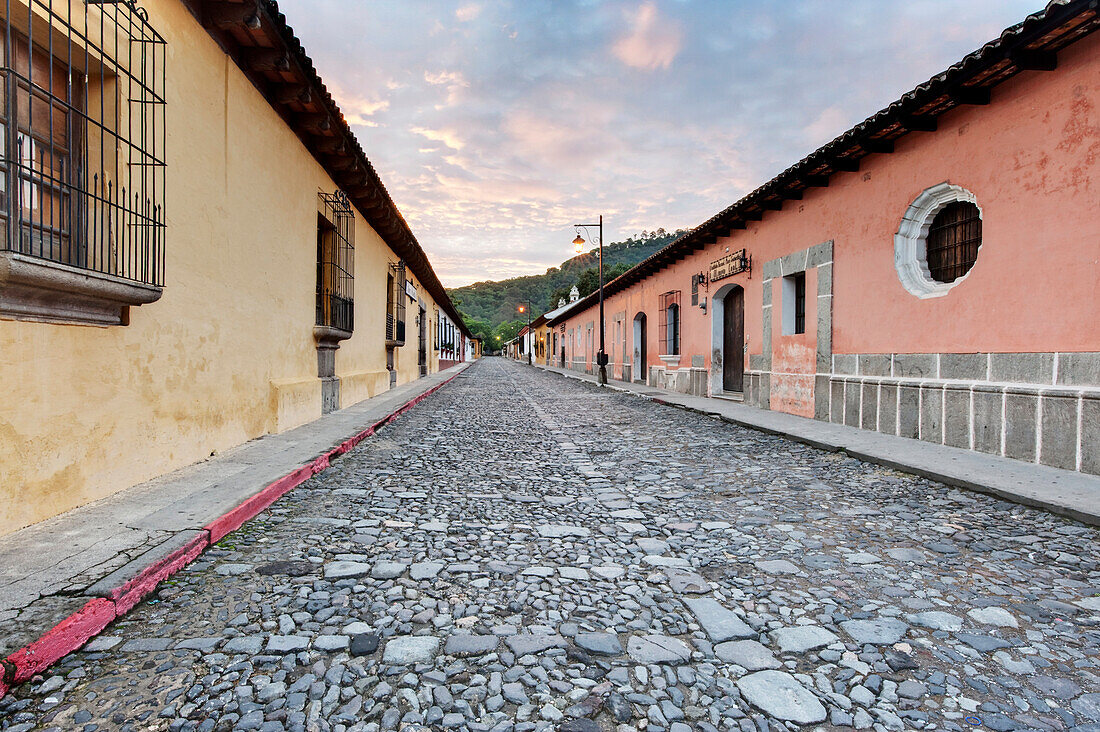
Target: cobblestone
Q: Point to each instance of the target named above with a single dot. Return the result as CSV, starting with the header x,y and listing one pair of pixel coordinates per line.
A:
x,y
523,552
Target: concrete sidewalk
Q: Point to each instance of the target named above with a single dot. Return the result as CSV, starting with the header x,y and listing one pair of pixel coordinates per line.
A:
x,y
62,580
1065,492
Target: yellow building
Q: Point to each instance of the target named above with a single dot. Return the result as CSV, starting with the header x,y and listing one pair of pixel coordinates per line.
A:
x,y
197,251
540,341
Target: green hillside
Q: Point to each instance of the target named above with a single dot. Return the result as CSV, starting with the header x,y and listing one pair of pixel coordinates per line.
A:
x,y
495,303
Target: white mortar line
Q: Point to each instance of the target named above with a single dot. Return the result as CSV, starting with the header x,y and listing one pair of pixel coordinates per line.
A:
x,y
859,414
970,418
878,407
1038,429
920,412
897,410
1054,371
932,382
844,402
1004,422
943,407
1080,429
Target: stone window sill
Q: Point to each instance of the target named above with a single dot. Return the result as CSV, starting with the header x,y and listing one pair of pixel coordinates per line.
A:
x,y
672,360
329,337
50,292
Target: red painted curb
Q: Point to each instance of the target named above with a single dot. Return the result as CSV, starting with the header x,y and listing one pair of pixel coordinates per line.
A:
x,y
131,593
87,622
235,518
62,639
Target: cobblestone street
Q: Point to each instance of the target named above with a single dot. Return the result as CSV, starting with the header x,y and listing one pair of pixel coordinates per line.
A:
x,y
523,551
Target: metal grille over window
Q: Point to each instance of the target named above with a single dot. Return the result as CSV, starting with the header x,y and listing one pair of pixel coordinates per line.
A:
x,y
82,168
395,305
335,262
800,303
953,240
669,324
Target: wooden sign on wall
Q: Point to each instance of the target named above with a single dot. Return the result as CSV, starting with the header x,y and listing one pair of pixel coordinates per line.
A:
x,y
729,265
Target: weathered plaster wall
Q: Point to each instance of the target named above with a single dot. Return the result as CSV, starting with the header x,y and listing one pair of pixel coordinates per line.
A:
x,y
794,357
227,354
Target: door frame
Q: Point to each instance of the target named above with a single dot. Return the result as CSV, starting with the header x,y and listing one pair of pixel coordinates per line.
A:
x,y
639,370
422,355
718,336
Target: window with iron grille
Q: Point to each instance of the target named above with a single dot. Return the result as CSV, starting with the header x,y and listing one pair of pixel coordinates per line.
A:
x,y
669,324
446,342
800,302
953,240
83,134
335,262
794,304
395,305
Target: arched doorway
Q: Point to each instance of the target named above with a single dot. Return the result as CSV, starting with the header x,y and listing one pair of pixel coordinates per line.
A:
x,y
727,374
639,365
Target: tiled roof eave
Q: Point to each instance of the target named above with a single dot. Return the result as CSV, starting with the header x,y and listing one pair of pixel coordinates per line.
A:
x,y
255,34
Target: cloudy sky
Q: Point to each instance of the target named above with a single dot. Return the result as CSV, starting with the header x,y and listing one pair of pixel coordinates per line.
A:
x,y
496,124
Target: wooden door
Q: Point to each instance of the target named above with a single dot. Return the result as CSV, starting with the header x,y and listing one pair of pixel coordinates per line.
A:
x,y
422,355
733,345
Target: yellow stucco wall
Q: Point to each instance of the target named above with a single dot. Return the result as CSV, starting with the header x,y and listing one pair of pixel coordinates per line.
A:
x,y
227,354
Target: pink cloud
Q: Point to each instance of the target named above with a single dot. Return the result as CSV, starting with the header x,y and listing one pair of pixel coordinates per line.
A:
x,y
652,42
468,12
829,123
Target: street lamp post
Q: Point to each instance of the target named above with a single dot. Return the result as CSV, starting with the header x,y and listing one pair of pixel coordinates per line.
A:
x,y
530,338
601,356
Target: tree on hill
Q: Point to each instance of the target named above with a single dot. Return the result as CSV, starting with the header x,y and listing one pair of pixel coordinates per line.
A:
x,y
496,302
589,281
479,328
507,330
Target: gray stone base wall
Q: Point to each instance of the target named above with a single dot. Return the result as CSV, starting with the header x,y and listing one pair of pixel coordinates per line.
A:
x,y
757,389
1037,407
330,394
683,380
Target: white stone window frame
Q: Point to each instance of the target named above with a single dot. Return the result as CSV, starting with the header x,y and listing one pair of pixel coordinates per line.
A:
x,y
911,240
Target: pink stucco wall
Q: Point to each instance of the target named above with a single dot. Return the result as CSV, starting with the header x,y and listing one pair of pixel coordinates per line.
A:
x,y
794,357
1032,158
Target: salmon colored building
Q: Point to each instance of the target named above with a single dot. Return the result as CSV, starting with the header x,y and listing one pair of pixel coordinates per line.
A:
x,y
932,273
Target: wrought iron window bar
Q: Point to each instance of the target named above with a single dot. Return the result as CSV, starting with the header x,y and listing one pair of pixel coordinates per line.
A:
x,y
954,237
82,168
395,305
800,303
336,262
668,326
